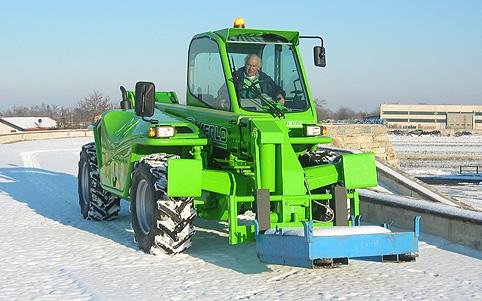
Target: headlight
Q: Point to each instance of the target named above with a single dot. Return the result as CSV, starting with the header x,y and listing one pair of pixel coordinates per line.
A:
x,y
161,132
313,130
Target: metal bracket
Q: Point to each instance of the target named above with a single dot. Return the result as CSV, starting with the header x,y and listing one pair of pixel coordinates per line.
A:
x,y
262,209
341,208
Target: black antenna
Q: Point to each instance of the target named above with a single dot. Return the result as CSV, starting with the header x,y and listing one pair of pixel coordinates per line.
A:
x,y
234,75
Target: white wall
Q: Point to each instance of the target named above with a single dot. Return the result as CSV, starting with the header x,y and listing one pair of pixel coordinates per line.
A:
x,y
5,129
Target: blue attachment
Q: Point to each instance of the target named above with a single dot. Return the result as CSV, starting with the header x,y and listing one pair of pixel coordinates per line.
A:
x,y
282,247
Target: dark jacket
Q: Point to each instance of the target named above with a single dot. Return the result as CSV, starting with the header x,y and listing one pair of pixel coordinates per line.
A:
x,y
268,86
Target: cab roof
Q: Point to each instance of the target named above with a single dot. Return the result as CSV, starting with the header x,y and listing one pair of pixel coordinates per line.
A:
x,y
257,35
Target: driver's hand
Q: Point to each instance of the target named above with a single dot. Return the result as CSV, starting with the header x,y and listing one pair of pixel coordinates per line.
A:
x,y
223,104
281,100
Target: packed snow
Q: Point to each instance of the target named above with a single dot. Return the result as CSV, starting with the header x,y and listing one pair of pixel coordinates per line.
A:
x,y
48,252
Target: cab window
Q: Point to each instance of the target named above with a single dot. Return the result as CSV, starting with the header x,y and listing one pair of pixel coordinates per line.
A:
x,y
279,66
206,79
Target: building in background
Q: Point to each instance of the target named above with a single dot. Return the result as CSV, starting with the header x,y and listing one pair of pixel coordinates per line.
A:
x,y
25,124
427,116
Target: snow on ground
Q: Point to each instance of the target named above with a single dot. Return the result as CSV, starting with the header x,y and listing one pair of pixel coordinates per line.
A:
x,y
432,155
438,144
47,252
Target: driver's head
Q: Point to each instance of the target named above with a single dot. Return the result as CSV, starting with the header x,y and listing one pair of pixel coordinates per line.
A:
x,y
252,64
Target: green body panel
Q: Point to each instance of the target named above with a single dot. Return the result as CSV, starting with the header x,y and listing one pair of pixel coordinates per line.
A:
x,y
227,155
320,176
359,170
166,97
178,177
121,140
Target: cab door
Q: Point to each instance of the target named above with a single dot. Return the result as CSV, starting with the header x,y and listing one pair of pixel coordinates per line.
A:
x,y
207,89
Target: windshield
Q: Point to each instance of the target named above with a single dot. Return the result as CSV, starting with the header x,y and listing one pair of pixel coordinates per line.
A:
x,y
267,77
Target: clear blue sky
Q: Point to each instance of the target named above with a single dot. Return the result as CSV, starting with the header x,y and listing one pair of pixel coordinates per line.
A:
x,y
377,51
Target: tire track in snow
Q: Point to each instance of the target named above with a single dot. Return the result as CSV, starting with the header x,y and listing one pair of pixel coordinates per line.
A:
x,y
29,159
67,199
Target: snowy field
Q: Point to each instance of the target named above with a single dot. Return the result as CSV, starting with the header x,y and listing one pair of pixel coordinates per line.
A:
x,y
429,155
47,252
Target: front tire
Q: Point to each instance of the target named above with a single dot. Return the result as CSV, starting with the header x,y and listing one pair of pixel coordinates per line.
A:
x,y
317,157
321,210
95,202
160,223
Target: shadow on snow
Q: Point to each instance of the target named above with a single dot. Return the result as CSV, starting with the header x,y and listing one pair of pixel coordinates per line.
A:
x,y
54,196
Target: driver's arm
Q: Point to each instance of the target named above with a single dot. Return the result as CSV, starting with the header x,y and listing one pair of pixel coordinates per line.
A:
x,y
275,91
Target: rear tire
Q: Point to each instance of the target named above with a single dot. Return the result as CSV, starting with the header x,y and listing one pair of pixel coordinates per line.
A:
x,y
160,223
95,202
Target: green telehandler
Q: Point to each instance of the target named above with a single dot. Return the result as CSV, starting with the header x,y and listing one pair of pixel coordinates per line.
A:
x,y
244,149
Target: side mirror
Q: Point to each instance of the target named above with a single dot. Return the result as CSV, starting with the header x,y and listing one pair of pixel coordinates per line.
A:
x,y
145,98
319,56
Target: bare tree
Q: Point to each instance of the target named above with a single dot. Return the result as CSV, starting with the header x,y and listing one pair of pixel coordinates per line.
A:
x,y
91,106
322,111
344,113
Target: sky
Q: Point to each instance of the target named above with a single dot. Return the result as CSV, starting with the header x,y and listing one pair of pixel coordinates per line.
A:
x,y
58,52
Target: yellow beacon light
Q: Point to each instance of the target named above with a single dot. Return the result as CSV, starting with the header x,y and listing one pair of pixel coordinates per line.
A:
x,y
239,23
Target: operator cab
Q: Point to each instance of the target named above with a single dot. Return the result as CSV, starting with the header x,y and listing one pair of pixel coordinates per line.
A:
x,y
278,81
221,77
